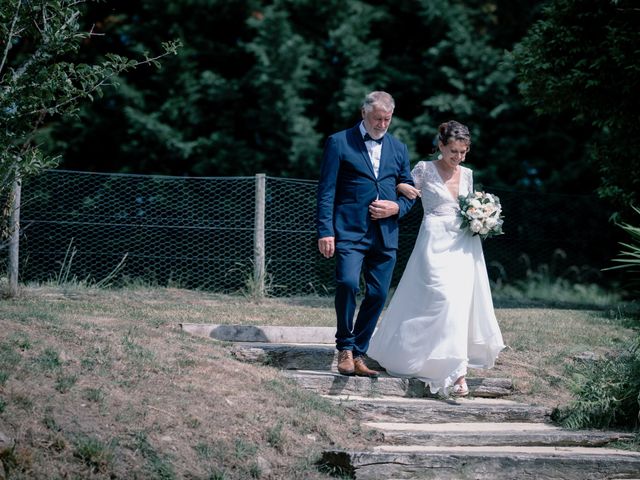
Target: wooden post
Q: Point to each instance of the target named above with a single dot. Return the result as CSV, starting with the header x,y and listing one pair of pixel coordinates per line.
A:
x,y
14,237
258,237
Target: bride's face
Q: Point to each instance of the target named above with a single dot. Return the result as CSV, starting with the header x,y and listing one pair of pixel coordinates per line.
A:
x,y
453,153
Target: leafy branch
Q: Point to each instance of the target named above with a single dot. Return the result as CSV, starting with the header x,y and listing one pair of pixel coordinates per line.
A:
x,y
40,79
12,33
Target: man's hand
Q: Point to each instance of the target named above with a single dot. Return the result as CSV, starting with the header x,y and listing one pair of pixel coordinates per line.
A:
x,y
327,246
383,209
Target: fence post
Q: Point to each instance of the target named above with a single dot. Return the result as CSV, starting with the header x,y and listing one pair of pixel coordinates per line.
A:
x,y
258,237
14,238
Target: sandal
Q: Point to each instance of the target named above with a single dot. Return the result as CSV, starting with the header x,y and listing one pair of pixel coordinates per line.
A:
x,y
460,389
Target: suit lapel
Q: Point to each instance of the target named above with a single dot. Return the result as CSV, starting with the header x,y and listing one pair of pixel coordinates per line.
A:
x,y
385,155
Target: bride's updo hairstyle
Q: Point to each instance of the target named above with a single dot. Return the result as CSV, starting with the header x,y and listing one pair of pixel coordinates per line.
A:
x,y
453,130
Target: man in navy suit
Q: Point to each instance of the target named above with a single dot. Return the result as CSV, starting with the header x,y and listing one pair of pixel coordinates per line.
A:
x,y
357,220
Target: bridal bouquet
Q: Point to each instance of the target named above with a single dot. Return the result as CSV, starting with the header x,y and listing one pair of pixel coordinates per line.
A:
x,y
481,213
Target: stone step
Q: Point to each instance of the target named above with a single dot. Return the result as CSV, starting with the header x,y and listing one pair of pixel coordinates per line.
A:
x,y
262,333
483,436
429,410
325,358
483,463
272,346
309,349
492,433
290,356
332,383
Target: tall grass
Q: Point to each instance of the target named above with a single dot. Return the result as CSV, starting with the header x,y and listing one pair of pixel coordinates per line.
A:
x,y
554,284
629,258
607,390
64,278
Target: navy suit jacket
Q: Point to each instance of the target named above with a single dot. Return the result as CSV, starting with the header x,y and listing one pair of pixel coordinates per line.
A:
x,y
348,185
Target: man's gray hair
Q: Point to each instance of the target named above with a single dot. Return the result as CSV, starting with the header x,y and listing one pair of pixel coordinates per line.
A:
x,y
380,100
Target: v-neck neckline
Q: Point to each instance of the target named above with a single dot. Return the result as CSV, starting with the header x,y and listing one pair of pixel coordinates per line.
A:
x,y
444,184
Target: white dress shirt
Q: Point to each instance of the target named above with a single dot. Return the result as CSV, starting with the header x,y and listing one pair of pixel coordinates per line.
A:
x,y
374,149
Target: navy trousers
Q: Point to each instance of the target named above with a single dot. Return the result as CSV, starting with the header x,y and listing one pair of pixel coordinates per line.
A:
x,y
375,263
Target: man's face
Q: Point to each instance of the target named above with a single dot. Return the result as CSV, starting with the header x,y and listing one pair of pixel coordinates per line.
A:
x,y
377,121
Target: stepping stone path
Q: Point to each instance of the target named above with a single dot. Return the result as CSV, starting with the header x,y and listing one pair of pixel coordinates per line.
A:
x,y
483,436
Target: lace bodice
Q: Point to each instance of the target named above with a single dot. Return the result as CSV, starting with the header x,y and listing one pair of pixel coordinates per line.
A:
x,y
436,197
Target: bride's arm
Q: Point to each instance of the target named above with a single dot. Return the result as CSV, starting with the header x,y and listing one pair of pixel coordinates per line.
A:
x,y
408,191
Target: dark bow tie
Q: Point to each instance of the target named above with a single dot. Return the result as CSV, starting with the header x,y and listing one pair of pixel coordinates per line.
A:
x,y
368,137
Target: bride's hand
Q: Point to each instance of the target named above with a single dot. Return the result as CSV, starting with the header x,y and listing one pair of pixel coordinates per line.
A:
x,y
408,191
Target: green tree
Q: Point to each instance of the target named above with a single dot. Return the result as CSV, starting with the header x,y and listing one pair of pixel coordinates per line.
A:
x,y
579,59
305,65
464,72
250,90
39,79
258,86
188,117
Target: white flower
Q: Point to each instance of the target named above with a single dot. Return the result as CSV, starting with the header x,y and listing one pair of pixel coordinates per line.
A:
x,y
491,222
489,208
475,203
481,213
474,212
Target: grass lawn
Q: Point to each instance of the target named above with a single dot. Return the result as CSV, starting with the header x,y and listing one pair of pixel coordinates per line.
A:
x,y
98,383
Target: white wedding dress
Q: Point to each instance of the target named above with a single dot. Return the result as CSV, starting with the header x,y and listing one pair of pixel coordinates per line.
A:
x,y
440,319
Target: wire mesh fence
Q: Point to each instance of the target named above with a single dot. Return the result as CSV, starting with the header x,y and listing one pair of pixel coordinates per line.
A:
x,y
200,233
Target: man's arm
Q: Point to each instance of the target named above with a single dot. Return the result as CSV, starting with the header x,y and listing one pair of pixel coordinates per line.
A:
x,y
405,203
326,195
326,198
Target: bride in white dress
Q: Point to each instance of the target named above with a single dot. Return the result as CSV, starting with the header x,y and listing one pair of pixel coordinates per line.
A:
x,y
440,320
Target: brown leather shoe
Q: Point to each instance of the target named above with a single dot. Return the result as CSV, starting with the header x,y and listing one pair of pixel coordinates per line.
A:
x,y
361,369
345,362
